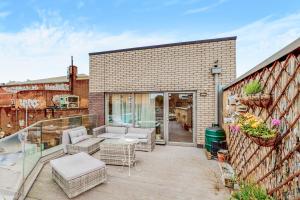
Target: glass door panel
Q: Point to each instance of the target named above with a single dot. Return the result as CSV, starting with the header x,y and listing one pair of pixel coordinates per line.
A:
x,y
180,123
119,109
149,112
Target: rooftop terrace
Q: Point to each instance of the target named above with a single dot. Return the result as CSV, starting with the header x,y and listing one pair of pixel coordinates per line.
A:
x,y
169,172
174,172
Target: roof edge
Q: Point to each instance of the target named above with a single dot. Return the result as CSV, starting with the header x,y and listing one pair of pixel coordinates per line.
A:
x,y
276,56
165,45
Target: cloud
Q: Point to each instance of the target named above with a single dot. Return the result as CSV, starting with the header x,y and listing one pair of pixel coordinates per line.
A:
x,y
4,14
204,8
44,50
80,4
262,38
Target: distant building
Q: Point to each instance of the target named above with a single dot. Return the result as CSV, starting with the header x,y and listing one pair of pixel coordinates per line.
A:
x,y
45,99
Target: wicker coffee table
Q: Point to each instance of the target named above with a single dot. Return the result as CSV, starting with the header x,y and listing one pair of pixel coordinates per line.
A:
x,y
118,152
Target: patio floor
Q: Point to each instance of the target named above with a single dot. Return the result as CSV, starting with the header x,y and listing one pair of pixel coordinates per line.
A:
x,y
169,172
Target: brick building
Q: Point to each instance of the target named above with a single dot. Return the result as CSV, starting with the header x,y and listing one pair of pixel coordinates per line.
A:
x,y
143,86
44,99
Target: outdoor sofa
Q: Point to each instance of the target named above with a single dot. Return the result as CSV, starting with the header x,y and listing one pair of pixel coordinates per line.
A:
x,y
77,140
145,136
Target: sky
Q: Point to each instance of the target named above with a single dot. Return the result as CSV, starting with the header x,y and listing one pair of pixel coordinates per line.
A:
x,y
38,37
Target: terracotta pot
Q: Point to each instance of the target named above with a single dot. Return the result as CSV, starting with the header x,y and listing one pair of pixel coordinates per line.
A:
x,y
221,157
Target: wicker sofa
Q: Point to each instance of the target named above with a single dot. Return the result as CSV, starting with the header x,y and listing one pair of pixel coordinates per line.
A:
x,y
146,136
77,140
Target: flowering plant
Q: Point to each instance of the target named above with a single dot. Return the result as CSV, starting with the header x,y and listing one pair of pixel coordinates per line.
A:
x,y
234,128
255,126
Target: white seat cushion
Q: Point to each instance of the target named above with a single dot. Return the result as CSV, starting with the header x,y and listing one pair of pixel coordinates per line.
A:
x,y
143,140
139,130
113,129
74,166
78,139
111,135
137,135
78,135
90,141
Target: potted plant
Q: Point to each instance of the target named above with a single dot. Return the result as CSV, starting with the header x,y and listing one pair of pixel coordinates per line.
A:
x,y
249,191
254,96
257,130
222,155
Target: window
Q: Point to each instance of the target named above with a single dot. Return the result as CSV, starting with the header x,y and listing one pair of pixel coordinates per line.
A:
x,y
149,112
144,110
119,109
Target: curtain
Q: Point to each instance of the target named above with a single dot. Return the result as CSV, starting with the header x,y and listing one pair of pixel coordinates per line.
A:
x,y
145,110
121,113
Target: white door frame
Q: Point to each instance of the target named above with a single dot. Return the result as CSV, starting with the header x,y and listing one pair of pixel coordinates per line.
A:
x,y
166,118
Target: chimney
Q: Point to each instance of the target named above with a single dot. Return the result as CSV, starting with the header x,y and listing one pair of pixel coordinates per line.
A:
x,y
72,75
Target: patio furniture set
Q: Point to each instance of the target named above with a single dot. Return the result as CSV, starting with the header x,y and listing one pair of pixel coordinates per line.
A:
x,y
79,172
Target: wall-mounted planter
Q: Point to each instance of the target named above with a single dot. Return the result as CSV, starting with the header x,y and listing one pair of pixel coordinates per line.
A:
x,y
264,142
259,100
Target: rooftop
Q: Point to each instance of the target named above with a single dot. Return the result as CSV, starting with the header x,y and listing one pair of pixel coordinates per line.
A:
x,y
166,45
58,79
169,172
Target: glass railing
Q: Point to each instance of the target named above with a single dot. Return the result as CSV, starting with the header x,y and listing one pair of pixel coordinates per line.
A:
x,y
11,166
20,152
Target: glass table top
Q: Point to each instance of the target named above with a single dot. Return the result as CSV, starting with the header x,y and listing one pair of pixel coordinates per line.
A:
x,y
120,141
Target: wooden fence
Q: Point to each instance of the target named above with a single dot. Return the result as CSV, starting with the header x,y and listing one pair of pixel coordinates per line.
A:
x,y
276,168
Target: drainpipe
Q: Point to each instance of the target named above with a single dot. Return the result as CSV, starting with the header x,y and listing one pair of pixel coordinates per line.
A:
x,y
26,113
215,71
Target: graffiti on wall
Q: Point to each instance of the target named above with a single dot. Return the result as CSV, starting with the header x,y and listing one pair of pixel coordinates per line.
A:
x,y
31,103
16,89
56,99
61,87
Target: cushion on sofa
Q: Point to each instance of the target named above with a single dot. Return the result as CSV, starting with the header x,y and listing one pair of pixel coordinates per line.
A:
x,y
117,130
74,166
143,140
81,138
89,142
139,130
78,135
137,135
111,135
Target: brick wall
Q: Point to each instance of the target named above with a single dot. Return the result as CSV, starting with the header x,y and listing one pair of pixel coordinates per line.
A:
x,y
96,105
174,67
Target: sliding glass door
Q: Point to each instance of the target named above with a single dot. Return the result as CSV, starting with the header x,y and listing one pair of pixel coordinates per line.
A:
x,y
149,112
180,117
144,110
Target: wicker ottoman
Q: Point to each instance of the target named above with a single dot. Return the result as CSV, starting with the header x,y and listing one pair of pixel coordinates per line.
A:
x,y
78,173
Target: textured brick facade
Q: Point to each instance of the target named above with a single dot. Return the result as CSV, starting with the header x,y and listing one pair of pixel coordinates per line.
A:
x,y
172,67
96,105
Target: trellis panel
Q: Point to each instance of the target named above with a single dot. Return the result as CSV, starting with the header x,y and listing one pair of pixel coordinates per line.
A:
x,y
276,168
